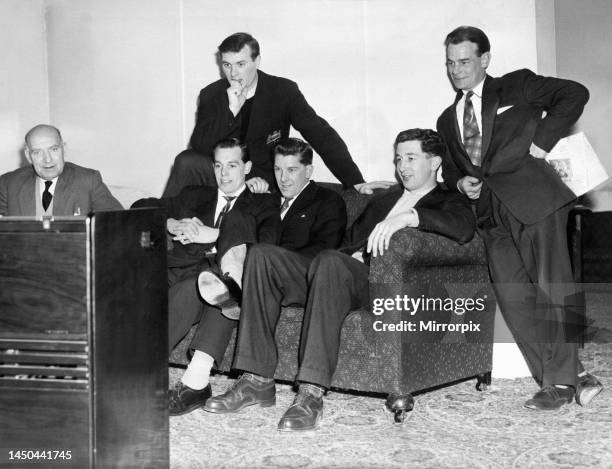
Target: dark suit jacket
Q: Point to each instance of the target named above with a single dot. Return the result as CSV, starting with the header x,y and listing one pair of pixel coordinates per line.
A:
x,y
440,211
314,222
529,187
77,188
277,105
256,214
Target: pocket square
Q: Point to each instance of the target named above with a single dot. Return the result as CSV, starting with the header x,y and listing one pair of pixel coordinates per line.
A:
x,y
503,109
303,215
273,137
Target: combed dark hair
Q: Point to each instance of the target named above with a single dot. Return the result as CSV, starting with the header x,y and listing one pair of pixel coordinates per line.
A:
x,y
471,34
233,143
431,142
237,41
295,146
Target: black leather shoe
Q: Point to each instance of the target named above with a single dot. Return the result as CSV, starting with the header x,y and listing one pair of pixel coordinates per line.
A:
x,y
304,414
222,291
550,398
183,399
243,393
587,388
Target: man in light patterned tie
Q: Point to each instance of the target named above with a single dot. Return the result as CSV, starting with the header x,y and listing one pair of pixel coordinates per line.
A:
x,y
498,141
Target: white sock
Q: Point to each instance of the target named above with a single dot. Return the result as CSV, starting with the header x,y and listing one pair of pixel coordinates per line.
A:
x,y
582,374
197,373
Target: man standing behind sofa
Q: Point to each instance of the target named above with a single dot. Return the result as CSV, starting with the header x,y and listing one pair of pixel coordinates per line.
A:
x,y
258,109
335,283
313,219
52,187
498,141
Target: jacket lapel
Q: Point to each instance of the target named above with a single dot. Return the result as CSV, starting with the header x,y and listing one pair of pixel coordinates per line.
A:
x,y
259,99
61,195
490,103
303,200
27,194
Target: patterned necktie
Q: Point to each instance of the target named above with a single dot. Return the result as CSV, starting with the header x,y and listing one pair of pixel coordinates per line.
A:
x,y
226,209
472,140
47,196
285,206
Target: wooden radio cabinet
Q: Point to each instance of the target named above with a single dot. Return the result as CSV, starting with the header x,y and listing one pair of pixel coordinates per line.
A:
x,y
83,341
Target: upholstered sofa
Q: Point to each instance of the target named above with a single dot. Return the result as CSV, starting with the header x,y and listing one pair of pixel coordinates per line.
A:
x,y
419,265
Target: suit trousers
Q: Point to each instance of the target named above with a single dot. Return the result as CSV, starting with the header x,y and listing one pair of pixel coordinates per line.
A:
x,y
330,288
273,277
185,307
532,278
190,169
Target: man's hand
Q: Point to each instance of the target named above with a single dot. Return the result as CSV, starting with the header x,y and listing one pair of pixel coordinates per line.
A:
x,y
204,235
470,186
258,185
236,95
191,230
380,236
184,226
368,187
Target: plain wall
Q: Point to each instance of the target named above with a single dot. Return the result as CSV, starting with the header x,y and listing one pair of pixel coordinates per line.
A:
x,y
123,76
582,31
24,99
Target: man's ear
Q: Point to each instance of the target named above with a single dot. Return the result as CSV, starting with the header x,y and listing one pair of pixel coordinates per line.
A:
x,y
436,162
257,60
247,167
309,170
485,59
26,152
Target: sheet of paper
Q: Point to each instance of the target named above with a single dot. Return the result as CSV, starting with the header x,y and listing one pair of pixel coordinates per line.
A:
x,y
577,163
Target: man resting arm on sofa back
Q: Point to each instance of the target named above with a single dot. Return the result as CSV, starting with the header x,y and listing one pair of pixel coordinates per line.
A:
x,y
336,283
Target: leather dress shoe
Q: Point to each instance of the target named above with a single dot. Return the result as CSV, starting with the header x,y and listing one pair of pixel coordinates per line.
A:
x,y
587,388
221,291
550,398
245,392
183,399
304,414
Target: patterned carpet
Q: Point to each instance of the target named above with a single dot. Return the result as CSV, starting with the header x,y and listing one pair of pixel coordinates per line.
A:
x,y
452,427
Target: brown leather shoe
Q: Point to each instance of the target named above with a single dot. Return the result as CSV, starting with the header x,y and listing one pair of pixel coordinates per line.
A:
x,y
245,392
304,414
183,399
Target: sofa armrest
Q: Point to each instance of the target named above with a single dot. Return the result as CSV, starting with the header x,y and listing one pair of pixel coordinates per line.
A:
x,y
411,248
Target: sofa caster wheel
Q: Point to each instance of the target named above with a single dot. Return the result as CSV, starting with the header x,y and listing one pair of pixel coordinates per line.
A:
x,y
483,381
399,405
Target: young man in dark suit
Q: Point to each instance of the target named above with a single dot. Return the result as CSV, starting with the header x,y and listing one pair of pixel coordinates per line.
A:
x,y
51,186
498,141
334,283
210,229
313,219
259,109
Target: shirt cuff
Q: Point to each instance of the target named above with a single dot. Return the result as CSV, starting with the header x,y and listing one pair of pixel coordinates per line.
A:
x,y
537,152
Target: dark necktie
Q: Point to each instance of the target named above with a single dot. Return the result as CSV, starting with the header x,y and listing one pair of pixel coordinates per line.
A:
x,y
472,139
226,209
47,196
285,205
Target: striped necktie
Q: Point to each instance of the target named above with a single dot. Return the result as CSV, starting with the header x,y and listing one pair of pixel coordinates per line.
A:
x,y
472,139
226,209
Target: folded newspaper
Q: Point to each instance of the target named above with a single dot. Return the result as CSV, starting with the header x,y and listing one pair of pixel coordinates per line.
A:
x,y
577,163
